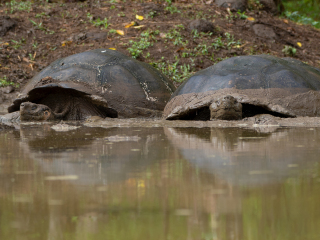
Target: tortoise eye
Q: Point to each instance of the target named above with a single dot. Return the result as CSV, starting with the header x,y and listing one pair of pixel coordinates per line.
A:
x,y
46,113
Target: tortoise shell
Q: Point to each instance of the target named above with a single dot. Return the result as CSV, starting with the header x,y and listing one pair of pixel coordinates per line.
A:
x,y
284,85
108,77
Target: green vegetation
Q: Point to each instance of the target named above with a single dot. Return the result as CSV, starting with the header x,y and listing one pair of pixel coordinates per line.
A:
x,y
41,27
173,71
172,9
19,6
5,82
289,50
18,44
98,22
144,42
303,11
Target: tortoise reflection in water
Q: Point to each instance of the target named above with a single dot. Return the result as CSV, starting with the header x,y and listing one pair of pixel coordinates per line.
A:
x,y
246,86
100,82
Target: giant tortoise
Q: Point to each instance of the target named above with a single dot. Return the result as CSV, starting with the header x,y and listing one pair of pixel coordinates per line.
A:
x,y
245,86
100,82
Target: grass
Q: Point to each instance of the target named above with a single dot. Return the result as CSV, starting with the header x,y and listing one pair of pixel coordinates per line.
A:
x,y
17,44
41,27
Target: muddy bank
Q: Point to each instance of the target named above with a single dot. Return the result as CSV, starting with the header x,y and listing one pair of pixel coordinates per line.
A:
x,y
32,38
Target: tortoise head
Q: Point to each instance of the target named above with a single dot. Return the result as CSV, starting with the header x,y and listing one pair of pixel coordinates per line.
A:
x,y
35,112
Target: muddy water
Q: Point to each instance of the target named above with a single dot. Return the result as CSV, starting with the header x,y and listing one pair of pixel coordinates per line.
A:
x,y
159,183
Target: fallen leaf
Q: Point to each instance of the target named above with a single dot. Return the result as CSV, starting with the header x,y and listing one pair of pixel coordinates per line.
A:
x,y
299,44
112,48
63,177
139,17
180,49
251,19
120,32
285,21
163,35
140,26
130,24
66,43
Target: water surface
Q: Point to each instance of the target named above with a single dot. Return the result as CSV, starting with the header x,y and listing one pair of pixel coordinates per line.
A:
x,y
159,183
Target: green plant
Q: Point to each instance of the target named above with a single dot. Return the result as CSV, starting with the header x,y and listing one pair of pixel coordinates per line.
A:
x,y
176,37
19,6
295,16
303,11
5,82
38,25
35,44
242,15
172,70
202,48
17,44
98,22
137,47
289,50
172,9
112,31
40,15
218,43
152,14
32,57
231,41
195,33
121,14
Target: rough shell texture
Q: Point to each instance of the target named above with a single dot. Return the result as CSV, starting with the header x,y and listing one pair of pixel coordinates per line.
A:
x,y
286,86
107,77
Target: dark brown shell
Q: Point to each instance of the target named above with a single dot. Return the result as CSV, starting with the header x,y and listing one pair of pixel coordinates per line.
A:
x,y
285,86
107,77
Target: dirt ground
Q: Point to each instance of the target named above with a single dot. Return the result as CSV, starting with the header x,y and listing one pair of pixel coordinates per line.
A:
x,y
33,36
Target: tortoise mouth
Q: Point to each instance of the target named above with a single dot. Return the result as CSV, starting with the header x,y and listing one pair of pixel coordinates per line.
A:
x,y
248,110
60,96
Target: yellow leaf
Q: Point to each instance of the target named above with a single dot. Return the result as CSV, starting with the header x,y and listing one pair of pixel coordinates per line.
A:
x,y
112,48
139,17
251,19
140,26
129,25
6,44
66,43
120,32
299,44
285,21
